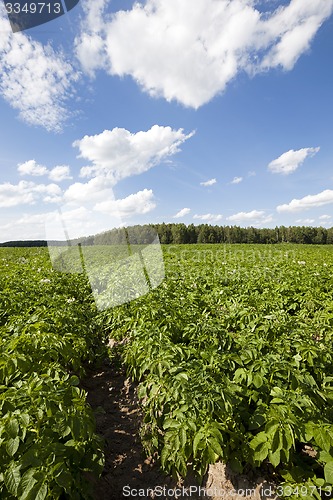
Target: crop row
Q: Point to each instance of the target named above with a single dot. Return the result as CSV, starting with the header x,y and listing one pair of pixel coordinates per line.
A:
x,y
48,444
235,362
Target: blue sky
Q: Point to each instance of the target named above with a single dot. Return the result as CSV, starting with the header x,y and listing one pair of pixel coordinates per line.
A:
x,y
118,113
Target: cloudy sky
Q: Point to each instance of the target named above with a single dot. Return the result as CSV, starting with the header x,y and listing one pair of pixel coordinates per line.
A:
x,y
124,112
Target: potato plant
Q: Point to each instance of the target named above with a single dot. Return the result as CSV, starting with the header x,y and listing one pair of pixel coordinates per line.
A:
x,y
234,355
48,443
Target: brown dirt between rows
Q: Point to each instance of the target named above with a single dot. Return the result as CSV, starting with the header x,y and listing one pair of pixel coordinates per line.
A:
x,y
113,398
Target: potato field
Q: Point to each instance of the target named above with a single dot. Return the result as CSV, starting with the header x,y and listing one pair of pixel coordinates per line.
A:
x,y
232,352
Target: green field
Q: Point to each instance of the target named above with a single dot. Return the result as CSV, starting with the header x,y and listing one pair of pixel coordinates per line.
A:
x,y
233,352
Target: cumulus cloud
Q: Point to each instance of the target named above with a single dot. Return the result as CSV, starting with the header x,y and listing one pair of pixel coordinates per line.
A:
x,y
34,79
182,213
32,168
325,217
208,217
310,201
141,202
25,192
60,173
210,182
92,191
118,153
179,52
90,45
253,217
292,28
288,162
236,180
26,227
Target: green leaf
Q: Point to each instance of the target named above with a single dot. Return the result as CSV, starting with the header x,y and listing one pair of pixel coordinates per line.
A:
x,y
277,441
12,446
74,380
258,440
322,438
12,478
276,392
76,427
70,443
271,427
215,445
328,472
277,401
261,452
256,421
211,455
25,419
182,437
64,480
170,423
38,492
30,457
324,456
164,456
309,431
26,484
257,380
274,458
196,441
13,428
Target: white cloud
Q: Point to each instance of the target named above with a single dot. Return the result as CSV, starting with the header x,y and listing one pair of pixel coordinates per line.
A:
x,y
54,225
26,192
77,222
208,217
176,51
253,217
325,217
31,167
310,201
288,162
118,153
141,202
90,46
60,173
236,180
182,213
210,182
26,227
56,174
292,28
94,190
34,79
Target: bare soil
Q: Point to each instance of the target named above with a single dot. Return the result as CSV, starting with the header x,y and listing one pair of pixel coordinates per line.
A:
x,y
128,473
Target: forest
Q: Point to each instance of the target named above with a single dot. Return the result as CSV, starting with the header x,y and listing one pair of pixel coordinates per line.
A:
x,y
171,233
205,233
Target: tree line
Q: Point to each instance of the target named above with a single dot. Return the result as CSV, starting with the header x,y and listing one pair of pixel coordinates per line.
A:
x,y
178,233
205,233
